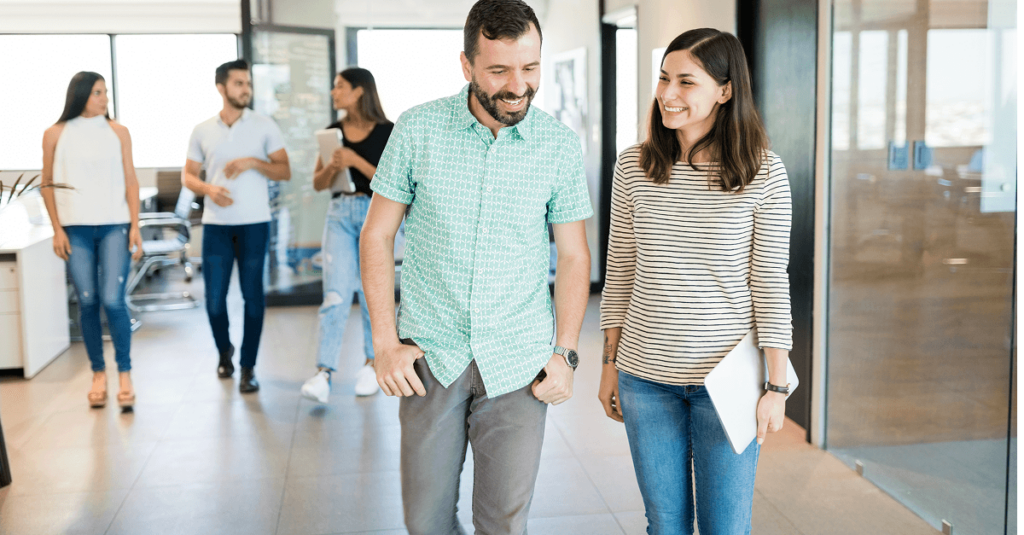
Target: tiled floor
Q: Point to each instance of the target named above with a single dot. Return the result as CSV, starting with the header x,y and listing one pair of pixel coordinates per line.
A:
x,y
198,457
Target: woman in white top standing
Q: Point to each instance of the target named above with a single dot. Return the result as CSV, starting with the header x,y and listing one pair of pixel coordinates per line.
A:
x,y
95,222
697,257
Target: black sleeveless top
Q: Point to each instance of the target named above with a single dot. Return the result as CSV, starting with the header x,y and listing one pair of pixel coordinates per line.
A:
x,y
370,149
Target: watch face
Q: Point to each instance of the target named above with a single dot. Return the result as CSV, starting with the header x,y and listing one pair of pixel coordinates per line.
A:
x,y
574,359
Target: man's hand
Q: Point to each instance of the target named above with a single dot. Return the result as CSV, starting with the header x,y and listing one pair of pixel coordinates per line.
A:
x,y
557,386
135,240
219,195
395,373
238,166
771,414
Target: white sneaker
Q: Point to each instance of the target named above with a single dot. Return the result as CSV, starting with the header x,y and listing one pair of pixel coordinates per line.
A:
x,y
318,387
366,381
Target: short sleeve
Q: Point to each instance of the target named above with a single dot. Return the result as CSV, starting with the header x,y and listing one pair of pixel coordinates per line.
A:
x,y
393,178
274,140
195,147
570,199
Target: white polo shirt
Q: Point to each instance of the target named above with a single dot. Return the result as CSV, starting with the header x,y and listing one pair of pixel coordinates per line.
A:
x,y
214,144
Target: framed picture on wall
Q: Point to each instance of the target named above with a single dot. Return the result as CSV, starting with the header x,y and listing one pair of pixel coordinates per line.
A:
x,y
570,99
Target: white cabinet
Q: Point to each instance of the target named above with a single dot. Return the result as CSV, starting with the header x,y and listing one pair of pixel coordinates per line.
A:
x,y
33,302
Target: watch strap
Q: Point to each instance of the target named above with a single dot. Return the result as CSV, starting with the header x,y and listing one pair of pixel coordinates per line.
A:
x,y
780,389
559,350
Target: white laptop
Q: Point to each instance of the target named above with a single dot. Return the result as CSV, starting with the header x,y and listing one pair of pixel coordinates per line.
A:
x,y
737,384
329,140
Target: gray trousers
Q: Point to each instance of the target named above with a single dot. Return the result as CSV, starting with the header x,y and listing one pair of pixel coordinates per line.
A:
x,y
506,434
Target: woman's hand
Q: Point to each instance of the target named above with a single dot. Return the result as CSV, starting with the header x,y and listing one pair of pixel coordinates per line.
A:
x,y
608,393
771,414
343,158
135,241
61,244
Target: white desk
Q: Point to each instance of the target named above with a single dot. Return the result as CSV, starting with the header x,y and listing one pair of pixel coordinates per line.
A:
x,y
33,300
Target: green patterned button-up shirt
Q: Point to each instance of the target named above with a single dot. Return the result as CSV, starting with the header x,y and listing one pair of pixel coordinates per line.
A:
x,y
477,256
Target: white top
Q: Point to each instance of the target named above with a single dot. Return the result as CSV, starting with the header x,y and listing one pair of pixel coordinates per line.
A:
x,y
88,158
691,268
214,144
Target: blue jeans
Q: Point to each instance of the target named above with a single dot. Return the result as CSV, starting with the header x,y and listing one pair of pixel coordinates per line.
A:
x,y
668,427
342,278
222,246
98,266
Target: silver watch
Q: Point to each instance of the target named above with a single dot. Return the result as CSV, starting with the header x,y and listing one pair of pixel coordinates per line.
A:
x,y
571,358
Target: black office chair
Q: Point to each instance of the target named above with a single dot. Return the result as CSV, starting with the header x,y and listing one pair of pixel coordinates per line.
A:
x,y
163,251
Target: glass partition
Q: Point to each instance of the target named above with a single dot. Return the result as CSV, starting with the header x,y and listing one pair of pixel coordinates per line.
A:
x,y
920,341
293,72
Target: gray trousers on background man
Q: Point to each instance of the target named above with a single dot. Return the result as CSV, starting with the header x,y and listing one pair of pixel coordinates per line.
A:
x,y
506,434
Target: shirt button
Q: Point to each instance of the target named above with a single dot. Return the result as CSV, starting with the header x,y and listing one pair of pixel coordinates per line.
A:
x,y
489,188
479,272
485,231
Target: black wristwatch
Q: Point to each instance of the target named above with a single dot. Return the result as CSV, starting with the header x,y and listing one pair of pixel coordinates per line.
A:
x,y
571,358
784,390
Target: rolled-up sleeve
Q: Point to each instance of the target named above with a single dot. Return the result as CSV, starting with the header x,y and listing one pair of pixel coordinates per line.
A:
x,y
620,271
769,277
393,178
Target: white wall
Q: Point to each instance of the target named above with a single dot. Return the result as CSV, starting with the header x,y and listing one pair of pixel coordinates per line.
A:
x,y
120,16
569,25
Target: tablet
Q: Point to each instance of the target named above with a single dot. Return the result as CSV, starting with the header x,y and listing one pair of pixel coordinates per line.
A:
x,y
735,387
329,140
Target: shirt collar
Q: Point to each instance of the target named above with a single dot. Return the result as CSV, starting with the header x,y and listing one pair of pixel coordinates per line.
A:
x,y
462,118
246,112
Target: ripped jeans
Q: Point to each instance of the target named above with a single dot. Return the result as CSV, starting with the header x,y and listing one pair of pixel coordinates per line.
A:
x,y
342,278
98,266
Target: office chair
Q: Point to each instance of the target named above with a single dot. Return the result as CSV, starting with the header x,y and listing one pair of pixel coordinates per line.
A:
x,y
163,251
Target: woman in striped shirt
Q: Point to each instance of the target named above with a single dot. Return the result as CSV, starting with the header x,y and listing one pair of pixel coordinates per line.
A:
x,y
697,256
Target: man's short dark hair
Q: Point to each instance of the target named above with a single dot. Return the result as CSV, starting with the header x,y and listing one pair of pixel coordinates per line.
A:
x,y
497,19
225,69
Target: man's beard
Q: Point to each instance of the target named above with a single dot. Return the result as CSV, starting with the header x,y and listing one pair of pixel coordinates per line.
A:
x,y
239,103
490,104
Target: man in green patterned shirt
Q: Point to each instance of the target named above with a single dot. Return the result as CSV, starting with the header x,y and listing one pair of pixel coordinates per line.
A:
x,y
481,175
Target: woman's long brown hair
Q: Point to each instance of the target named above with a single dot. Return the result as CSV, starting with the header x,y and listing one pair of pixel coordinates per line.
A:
x,y
369,102
737,140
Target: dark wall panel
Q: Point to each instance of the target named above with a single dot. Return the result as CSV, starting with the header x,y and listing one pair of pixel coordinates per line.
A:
x,y
780,38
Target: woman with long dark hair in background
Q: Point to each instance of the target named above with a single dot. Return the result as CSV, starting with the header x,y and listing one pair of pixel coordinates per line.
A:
x,y
95,221
366,131
697,257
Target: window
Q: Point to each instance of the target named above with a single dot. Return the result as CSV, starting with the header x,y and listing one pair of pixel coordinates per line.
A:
x,y
412,66
960,106
872,77
34,93
166,85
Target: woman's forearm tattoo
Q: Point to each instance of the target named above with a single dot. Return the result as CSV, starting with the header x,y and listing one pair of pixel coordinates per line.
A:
x,y
609,351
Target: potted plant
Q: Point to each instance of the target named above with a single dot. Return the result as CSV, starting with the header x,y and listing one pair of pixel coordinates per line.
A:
x,y
15,215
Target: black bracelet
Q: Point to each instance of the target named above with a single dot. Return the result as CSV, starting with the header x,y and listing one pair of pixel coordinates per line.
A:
x,y
780,389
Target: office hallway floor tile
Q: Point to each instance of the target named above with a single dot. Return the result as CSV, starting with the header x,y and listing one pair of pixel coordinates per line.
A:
x,y
196,456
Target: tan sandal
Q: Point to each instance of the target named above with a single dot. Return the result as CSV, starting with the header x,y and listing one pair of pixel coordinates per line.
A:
x,y
125,399
98,400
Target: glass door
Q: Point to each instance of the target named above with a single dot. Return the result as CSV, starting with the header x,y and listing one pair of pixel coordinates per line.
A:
x,y
921,340
292,74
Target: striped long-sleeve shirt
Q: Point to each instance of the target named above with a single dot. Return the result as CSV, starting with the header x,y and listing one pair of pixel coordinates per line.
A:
x,y
692,268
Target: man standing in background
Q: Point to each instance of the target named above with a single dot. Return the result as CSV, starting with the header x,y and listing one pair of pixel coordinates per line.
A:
x,y
241,151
